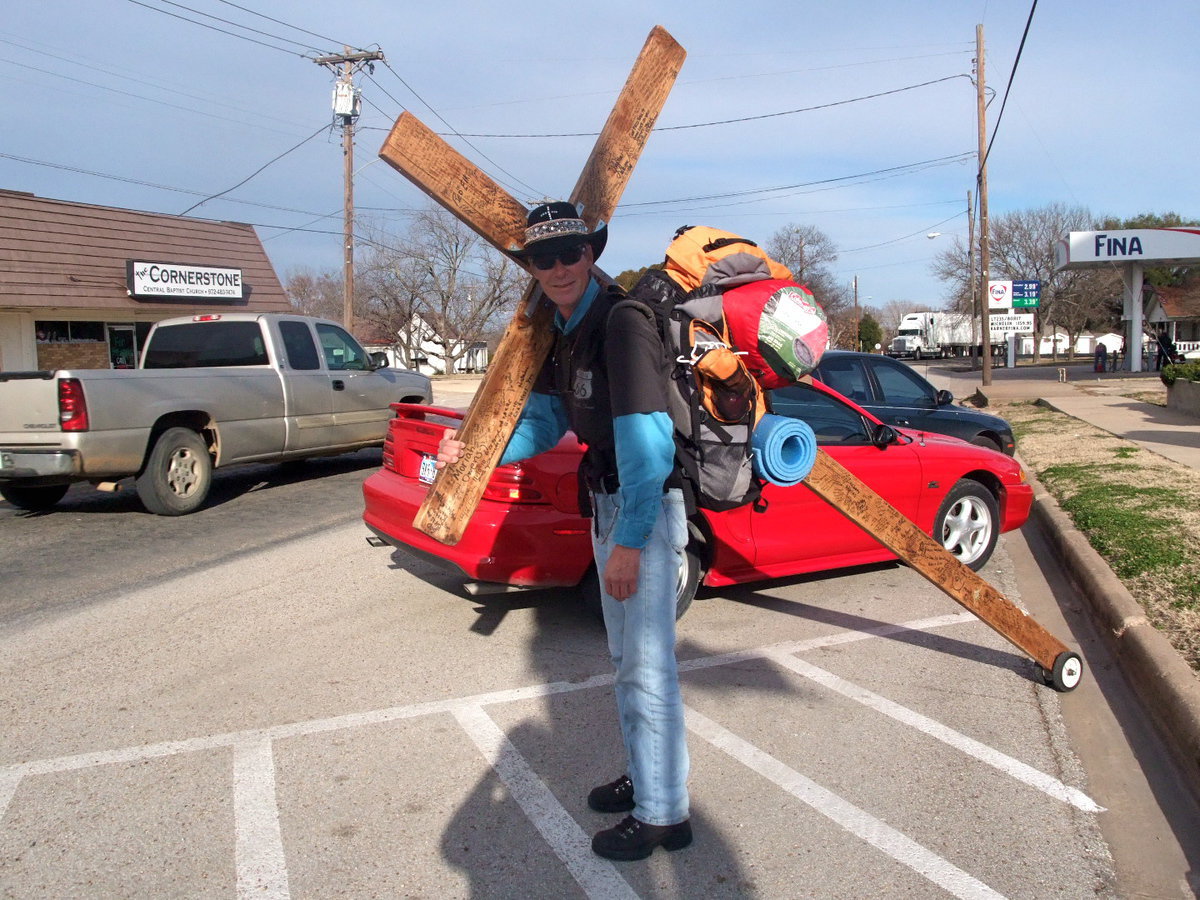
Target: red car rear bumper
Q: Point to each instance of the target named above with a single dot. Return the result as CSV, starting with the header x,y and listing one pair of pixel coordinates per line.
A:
x,y
538,546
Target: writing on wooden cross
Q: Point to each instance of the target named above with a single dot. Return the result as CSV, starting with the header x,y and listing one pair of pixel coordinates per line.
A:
x,y
459,186
454,182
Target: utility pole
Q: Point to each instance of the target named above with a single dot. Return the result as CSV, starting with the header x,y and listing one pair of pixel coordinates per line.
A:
x,y
984,254
347,104
971,270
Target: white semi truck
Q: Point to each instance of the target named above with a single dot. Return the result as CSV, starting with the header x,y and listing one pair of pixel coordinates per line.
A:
x,y
924,335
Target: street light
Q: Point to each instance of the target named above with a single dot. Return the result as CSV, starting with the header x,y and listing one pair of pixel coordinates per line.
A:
x,y
933,234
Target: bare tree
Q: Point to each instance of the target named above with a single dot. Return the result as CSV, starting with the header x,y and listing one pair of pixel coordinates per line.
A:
x,y
1022,247
390,286
809,253
438,272
889,317
314,293
465,284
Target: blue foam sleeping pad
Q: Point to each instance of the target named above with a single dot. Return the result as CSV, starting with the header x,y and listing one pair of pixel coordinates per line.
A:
x,y
784,450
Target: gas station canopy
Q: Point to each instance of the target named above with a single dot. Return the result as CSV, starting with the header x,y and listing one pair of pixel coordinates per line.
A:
x,y
1130,251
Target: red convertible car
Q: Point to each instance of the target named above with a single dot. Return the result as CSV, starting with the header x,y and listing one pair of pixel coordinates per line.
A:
x,y
527,531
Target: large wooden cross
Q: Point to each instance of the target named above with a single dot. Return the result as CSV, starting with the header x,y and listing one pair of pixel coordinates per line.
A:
x,y
459,186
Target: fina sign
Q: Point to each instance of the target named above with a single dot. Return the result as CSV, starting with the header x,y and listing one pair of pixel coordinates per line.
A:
x,y
1009,294
183,281
1156,246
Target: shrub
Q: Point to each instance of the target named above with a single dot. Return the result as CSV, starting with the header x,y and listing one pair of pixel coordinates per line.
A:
x,y
1189,371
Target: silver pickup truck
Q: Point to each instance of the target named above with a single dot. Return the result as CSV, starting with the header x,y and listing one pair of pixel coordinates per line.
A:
x,y
211,390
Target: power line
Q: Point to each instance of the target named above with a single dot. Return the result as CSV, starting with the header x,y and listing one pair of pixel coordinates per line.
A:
x,y
453,130
157,85
773,115
257,171
62,167
277,37
905,237
788,187
167,12
1011,76
102,87
286,24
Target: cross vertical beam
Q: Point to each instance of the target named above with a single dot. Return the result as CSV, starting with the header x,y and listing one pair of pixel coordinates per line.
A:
x,y
448,177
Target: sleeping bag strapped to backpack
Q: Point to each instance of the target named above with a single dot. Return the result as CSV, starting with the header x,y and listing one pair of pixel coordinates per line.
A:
x,y
773,321
732,325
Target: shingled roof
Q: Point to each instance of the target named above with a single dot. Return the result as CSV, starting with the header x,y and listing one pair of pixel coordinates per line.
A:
x,y
72,255
1180,302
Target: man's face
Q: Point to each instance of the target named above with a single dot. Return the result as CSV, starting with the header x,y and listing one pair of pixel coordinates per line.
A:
x,y
564,284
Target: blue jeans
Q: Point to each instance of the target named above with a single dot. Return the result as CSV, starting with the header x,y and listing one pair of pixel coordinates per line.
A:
x,y
641,639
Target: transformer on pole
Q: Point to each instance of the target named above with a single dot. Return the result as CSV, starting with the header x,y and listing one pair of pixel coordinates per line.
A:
x,y
347,105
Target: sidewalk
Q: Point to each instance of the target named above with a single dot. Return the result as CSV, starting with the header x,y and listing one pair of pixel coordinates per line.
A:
x,y
1166,686
1099,400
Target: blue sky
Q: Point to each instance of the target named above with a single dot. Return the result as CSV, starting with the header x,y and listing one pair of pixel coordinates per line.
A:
x,y
115,103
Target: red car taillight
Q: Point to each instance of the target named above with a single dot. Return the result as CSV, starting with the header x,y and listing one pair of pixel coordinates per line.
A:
x,y
389,451
72,406
510,484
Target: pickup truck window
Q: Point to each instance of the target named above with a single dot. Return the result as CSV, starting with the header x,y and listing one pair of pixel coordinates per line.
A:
x,y
190,344
341,351
298,344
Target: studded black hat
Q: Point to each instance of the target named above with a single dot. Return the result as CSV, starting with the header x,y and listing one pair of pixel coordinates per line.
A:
x,y
554,226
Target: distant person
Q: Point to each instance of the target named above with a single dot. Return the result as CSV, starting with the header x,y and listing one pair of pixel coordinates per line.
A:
x,y
1164,351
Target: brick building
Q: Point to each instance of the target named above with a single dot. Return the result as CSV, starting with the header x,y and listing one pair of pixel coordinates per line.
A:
x,y
81,285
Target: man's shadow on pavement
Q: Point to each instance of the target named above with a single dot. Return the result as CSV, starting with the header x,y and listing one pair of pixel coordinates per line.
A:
x,y
567,742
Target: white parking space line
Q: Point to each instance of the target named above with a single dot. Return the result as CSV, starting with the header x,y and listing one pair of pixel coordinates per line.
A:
x,y
9,779
858,822
599,879
395,713
828,640
261,863
985,754
261,867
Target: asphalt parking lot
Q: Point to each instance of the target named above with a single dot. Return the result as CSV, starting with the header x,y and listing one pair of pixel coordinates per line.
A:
x,y
311,716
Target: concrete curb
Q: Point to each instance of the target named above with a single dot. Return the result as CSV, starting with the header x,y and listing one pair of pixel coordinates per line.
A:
x,y
1164,683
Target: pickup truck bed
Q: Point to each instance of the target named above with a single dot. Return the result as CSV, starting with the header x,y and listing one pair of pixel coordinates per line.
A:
x,y
283,387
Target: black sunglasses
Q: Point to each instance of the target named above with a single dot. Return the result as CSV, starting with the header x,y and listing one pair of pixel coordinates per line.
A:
x,y
568,257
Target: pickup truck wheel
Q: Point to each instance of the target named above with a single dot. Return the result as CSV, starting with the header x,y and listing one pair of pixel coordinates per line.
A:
x,y
33,497
177,474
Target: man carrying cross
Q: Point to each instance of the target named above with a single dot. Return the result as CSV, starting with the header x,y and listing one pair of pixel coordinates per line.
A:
x,y
606,379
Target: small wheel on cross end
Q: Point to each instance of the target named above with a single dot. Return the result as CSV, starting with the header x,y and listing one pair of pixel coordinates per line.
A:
x,y
1067,672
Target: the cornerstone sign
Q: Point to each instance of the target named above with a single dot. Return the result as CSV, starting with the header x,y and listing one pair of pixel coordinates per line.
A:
x,y
183,281
1154,246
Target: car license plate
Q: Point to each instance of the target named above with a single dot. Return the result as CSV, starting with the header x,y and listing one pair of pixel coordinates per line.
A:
x,y
428,469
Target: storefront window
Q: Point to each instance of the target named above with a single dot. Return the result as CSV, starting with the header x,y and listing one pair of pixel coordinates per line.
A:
x,y
55,332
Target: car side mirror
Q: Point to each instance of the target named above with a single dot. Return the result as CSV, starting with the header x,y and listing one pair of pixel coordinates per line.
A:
x,y
944,398
884,435
379,360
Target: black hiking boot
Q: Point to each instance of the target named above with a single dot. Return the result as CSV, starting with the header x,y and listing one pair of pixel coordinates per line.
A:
x,y
614,797
634,839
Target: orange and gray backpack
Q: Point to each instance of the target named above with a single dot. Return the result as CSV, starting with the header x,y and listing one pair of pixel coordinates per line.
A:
x,y
732,324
